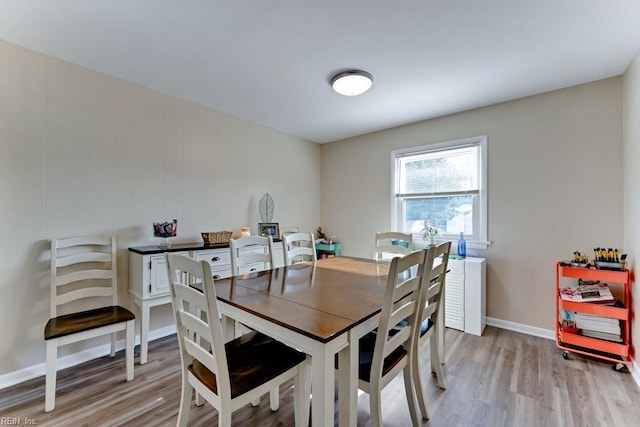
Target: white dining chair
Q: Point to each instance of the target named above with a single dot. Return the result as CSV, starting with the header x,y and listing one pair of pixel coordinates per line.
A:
x,y
431,294
252,253
298,247
227,375
384,353
84,268
391,244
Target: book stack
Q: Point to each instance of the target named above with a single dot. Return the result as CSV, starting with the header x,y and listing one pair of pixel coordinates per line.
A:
x,y
590,325
604,328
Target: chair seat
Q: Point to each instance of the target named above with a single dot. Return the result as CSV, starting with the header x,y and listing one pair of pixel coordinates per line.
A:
x,y
426,325
366,347
69,324
253,359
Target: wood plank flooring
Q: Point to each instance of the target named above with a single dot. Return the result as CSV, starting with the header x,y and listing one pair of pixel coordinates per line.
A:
x,y
500,379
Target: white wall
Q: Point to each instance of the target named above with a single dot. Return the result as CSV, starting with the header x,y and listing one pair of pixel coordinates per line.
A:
x,y
555,186
82,152
631,150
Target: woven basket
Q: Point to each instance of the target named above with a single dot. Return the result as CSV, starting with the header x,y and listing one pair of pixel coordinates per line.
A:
x,y
216,237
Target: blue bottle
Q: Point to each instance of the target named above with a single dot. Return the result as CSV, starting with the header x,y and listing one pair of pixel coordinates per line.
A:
x,y
462,246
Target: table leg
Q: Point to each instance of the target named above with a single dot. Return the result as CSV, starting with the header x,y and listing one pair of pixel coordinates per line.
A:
x,y
322,383
228,328
348,382
145,312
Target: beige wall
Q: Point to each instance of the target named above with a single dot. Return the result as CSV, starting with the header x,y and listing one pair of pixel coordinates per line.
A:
x,y
555,186
82,152
631,150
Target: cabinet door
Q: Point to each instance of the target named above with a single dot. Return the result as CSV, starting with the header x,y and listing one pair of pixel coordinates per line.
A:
x,y
159,283
454,295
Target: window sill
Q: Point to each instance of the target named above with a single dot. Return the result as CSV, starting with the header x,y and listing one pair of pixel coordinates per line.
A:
x,y
471,244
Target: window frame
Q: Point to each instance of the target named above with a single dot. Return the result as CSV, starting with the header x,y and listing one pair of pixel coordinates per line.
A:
x,y
481,241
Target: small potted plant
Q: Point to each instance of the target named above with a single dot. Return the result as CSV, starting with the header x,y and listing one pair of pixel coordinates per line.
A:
x,y
429,233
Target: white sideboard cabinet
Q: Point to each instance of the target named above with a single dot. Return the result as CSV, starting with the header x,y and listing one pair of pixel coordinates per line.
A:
x,y
149,285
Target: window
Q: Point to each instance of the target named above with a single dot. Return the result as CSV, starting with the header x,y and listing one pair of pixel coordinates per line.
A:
x,y
442,186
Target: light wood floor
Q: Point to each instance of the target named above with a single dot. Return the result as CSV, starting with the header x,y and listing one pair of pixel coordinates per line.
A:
x,y
500,379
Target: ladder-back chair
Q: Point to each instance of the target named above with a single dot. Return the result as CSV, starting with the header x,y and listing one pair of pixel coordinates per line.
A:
x,y
84,268
227,375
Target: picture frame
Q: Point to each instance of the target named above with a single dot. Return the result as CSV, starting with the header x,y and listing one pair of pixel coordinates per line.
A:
x,y
267,229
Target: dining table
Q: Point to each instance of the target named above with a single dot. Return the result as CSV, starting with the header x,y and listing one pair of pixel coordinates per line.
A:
x,y
321,308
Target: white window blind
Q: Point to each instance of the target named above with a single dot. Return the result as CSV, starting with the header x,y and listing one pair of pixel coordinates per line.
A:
x,y
441,186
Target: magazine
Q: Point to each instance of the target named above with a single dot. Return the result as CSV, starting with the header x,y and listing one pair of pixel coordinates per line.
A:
x,y
595,292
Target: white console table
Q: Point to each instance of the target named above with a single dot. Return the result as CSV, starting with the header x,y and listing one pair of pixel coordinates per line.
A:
x,y
149,285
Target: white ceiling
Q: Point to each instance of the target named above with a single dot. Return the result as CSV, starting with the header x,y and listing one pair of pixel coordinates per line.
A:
x,y
270,61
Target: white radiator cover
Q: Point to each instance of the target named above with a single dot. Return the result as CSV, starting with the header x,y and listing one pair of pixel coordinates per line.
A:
x,y
465,301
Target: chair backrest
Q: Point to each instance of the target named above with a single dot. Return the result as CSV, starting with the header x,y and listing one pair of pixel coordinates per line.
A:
x,y
243,253
401,301
197,318
436,264
391,244
82,267
286,229
298,247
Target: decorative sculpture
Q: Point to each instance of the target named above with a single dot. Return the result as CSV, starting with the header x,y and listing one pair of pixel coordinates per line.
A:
x,y
266,207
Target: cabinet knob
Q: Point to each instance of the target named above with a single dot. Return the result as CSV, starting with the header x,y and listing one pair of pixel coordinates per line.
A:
x,y
215,258
253,269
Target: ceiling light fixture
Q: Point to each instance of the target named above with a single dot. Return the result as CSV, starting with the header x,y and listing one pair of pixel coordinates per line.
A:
x,y
352,82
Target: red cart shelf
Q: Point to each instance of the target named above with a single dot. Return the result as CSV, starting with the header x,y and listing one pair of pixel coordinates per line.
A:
x,y
572,342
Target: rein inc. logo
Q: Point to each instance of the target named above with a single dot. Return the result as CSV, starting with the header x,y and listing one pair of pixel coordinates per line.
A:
x,y
18,421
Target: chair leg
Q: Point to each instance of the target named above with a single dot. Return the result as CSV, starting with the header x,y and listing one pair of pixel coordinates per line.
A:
x,y
301,399
417,384
199,399
185,401
50,375
436,365
274,398
375,407
409,390
113,344
224,418
128,350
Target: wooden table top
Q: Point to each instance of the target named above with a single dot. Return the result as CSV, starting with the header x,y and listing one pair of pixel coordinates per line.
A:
x,y
320,300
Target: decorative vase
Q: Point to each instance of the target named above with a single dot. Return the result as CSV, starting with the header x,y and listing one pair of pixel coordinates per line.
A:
x,y
245,231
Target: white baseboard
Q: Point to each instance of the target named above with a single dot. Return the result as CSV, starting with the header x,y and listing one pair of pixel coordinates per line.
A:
x,y
524,329
38,370
634,369
30,372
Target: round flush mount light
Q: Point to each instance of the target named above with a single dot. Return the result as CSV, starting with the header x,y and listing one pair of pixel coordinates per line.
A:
x,y
352,82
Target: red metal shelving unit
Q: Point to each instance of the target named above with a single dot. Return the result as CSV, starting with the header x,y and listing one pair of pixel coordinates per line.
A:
x,y
575,343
